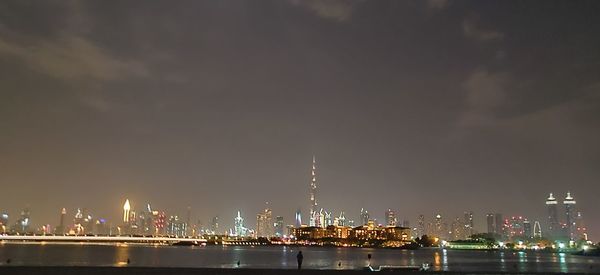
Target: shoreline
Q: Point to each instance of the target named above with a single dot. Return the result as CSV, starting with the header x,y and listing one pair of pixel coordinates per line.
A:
x,y
51,270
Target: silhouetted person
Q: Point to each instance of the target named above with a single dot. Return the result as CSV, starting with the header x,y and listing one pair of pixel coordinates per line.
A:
x,y
300,257
7,261
128,261
339,264
369,257
238,263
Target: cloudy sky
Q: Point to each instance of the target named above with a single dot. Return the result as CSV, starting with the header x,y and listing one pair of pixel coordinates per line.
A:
x,y
419,106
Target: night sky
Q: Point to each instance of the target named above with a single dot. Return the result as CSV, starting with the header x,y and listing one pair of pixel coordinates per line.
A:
x,y
419,106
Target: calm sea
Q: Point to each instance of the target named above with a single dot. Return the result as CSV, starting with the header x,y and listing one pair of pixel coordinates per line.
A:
x,y
285,257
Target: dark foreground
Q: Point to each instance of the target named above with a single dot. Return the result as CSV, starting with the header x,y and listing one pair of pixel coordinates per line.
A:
x,y
210,271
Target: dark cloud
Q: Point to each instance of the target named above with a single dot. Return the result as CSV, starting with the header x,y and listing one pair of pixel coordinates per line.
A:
x,y
221,105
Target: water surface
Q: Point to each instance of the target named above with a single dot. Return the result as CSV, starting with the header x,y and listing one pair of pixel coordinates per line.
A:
x,y
285,257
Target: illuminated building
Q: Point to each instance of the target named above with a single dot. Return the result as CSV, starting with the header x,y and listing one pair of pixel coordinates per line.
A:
x,y
279,226
159,222
126,211
239,230
390,218
60,229
515,226
264,224
527,229
553,224
327,220
313,219
580,228
364,216
176,227
298,218
421,225
23,223
341,220
78,223
569,204
4,222
214,225
457,230
468,224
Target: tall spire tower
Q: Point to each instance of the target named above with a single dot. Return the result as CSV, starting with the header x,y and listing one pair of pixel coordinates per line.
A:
x,y
313,190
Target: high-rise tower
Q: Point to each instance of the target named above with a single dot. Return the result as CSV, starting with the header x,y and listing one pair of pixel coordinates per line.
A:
x,y
126,210
313,200
553,225
569,203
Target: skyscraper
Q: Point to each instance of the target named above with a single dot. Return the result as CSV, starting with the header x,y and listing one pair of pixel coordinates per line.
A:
x,y
60,229
421,225
468,224
364,216
214,225
279,226
126,211
390,218
581,230
298,218
499,223
313,220
491,227
553,224
264,224
527,229
569,204
239,229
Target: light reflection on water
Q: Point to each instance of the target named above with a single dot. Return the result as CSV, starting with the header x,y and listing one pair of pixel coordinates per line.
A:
x,y
285,257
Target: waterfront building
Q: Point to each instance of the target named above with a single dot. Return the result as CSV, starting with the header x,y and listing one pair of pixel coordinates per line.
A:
x,y
570,226
553,224
390,218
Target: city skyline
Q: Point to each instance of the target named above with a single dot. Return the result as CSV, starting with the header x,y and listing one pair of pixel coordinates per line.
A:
x,y
265,227
421,107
